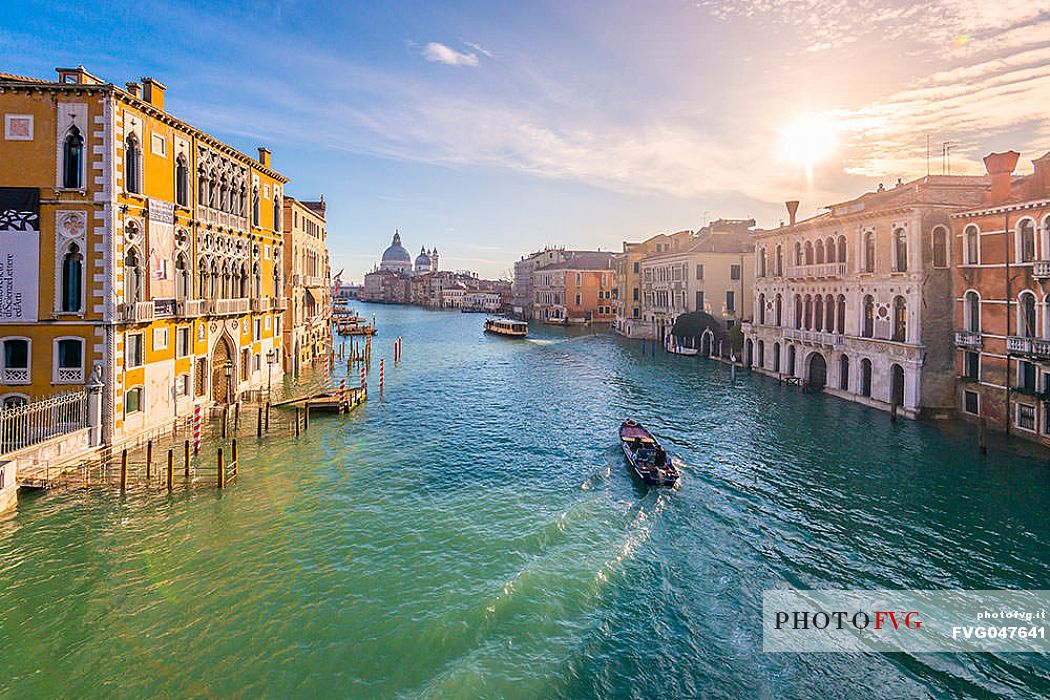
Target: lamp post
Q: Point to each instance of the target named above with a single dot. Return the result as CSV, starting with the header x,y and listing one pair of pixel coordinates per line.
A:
x,y
227,369
271,360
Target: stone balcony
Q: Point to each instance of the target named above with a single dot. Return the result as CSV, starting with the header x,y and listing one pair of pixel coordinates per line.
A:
x,y
191,308
223,219
1032,347
281,303
226,307
1041,269
831,340
817,271
313,281
970,340
261,304
137,312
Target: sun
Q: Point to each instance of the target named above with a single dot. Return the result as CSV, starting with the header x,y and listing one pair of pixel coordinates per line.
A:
x,y
810,139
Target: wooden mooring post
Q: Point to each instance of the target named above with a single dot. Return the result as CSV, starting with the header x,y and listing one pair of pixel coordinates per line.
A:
x,y
124,469
221,473
236,462
225,419
236,417
171,469
186,458
259,423
267,416
296,421
149,459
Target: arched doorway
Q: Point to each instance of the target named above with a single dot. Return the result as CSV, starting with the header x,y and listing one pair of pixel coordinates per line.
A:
x,y
818,371
897,385
748,351
220,357
296,360
791,360
706,342
844,373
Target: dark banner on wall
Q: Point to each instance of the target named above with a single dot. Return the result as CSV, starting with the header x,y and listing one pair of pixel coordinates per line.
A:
x,y
19,209
19,253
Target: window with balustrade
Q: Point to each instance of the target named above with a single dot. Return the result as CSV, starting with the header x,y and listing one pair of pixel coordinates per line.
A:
x,y
68,361
16,360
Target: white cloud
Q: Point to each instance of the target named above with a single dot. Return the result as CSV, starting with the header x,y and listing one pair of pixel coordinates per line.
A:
x,y
439,53
478,48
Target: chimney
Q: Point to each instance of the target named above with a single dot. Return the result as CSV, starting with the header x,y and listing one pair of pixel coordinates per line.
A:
x,y
153,92
792,211
134,88
1001,166
1040,187
264,156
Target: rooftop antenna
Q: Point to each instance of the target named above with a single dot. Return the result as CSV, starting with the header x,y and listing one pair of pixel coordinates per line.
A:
x,y
946,158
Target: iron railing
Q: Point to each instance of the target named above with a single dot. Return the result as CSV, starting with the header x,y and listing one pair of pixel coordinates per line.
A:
x,y
36,422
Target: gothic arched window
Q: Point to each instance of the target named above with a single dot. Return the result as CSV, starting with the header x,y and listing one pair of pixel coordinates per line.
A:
x,y
72,159
182,182
132,165
72,279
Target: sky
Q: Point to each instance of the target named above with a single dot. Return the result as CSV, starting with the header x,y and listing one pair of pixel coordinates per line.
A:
x,y
491,129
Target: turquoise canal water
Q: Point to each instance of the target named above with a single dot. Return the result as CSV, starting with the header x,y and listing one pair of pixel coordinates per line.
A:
x,y
476,533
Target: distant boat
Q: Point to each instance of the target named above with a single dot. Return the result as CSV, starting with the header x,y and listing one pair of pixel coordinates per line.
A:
x,y
556,321
646,456
507,327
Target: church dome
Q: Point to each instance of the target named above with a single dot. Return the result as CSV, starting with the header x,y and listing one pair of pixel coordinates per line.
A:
x,y
422,260
396,252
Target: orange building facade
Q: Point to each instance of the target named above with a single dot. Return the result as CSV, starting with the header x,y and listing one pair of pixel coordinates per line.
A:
x,y
141,252
1001,256
578,290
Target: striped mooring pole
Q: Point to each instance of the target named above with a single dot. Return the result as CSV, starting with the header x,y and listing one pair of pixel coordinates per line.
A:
x,y
342,396
362,377
197,429
380,375
325,375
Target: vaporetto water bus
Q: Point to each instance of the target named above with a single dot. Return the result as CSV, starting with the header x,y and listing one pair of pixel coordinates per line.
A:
x,y
507,327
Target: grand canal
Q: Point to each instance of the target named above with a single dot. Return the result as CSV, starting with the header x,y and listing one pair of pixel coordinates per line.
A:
x,y
475,533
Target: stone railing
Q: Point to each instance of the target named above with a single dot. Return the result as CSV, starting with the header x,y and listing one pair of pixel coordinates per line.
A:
x,y
281,303
191,308
968,339
69,375
15,375
215,217
1036,347
1041,269
137,312
832,340
831,269
224,307
261,304
313,281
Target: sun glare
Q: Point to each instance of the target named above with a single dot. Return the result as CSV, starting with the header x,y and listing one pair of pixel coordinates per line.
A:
x,y
810,139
